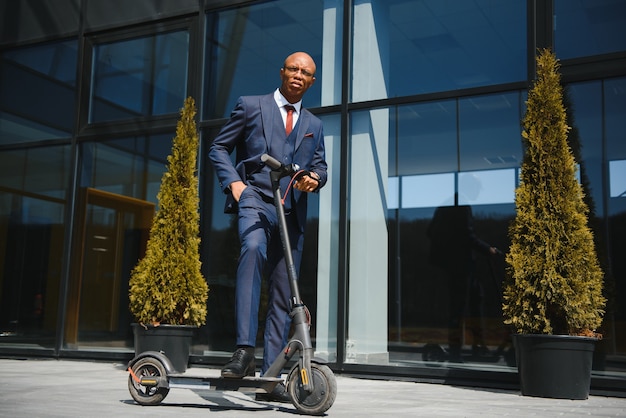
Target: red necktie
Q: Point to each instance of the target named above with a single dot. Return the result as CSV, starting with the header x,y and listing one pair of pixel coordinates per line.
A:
x,y
289,123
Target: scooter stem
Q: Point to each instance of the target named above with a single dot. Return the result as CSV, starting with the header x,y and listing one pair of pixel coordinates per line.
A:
x,y
301,339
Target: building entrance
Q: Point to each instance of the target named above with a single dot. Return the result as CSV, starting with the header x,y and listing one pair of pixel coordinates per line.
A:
x,y
113,236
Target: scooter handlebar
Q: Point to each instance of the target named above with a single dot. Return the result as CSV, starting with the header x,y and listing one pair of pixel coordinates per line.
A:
x,y
271,161
274,164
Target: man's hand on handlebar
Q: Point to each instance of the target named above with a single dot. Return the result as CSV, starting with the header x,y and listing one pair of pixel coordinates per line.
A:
x,y
308,182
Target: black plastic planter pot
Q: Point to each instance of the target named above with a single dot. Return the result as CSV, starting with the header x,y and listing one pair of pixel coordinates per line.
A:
x,y
173,340
554,366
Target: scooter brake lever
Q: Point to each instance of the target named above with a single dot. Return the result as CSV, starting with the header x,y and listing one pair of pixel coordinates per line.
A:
x,y
301,173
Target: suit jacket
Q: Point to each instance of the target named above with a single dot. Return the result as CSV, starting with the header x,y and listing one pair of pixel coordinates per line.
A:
x,y
251,131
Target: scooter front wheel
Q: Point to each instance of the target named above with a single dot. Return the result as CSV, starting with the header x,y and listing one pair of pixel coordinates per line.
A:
x,y
324,390
147,395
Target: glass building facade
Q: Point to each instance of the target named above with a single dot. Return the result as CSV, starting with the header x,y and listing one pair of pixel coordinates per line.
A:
x,y
422,102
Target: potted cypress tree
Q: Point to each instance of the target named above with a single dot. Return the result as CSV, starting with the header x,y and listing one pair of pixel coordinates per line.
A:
x,y
553,294
167,291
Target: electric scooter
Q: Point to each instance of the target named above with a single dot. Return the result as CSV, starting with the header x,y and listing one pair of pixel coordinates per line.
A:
x,y
310,383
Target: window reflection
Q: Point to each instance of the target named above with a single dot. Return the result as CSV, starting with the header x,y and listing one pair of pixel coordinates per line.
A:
x,y
119,181
428,190
129,166
427,138
459,157
32,210
583,102
413,47
614,107
617,178
47,72
614,95
487,187
589,27
426,152
124,87
490,132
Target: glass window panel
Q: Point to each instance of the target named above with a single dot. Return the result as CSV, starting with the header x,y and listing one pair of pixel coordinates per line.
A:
x,y
615,126
128,167
45,72
139,77
614,106
56,61
405,47
219,252
615,122
617,178
453,307
490,132
119,182
426,140
487,187
589,27
99,14
428,190
393,193
367,341
583,102
322,255
246,47
42,171
32,234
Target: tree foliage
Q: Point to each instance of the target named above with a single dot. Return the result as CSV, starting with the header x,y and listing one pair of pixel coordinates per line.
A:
x,y
167,286
554,283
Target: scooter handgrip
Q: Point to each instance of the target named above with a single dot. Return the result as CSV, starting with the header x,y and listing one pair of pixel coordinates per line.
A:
x,y
271,161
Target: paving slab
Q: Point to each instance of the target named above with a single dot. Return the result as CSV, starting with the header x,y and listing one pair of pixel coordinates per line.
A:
x,y
72,388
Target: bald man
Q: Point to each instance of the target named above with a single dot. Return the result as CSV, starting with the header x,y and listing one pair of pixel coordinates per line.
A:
x,y
257,126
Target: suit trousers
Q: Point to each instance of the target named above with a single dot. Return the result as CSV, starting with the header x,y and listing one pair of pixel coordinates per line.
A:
x,y
262,255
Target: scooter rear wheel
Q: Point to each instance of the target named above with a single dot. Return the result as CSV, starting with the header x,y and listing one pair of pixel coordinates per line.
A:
x,y
324,390
147,395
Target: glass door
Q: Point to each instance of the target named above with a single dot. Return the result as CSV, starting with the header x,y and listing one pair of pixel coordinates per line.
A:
x,y
114,233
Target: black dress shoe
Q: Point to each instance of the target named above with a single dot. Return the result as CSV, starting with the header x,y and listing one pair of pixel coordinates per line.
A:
x,y
279,394
241,364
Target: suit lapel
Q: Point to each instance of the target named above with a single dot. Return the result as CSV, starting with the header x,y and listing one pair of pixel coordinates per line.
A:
x,y
268,113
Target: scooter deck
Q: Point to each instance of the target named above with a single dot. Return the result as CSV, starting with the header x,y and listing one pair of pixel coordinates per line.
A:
x,y
246,384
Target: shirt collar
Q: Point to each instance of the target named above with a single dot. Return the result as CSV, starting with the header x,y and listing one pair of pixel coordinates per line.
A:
x,y
281,101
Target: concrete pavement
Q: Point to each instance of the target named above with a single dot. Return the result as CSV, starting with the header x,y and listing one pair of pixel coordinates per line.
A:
x,y
70,388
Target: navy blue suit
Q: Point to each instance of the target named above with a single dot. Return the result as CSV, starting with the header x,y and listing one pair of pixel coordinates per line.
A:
x,y
255,127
